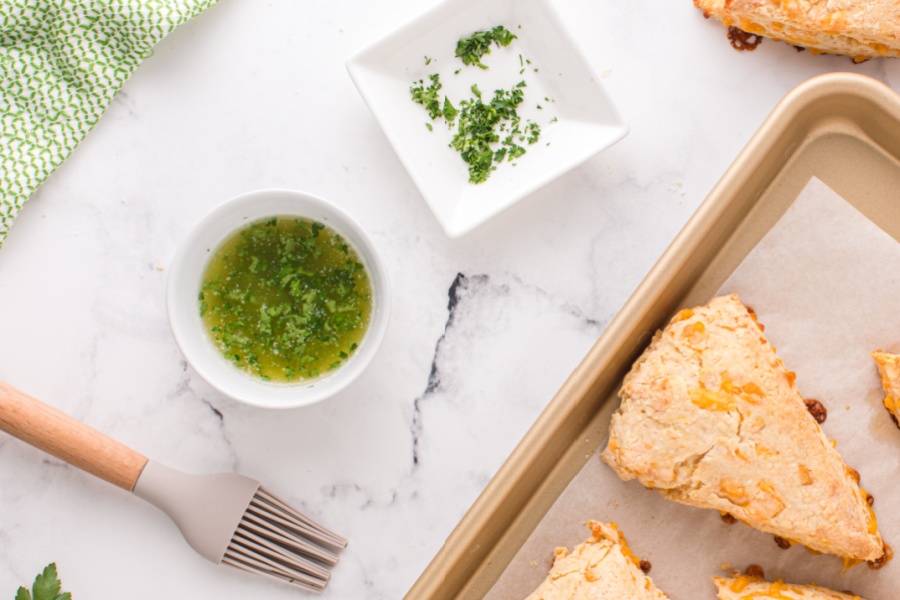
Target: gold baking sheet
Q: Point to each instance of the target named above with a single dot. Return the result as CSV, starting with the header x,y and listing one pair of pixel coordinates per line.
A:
x,y
843,129
821,281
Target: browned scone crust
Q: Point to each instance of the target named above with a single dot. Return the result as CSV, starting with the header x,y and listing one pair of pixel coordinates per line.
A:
x,y
602,568
889,369
745,587
711,417
861,29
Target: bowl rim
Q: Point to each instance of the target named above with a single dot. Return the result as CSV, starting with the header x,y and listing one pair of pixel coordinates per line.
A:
x,y
183,285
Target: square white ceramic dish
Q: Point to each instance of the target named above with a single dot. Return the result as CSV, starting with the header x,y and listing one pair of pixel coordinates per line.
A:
x,y
576,117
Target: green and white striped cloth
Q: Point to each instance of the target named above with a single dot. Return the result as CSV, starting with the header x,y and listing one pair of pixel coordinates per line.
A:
x,y
61,64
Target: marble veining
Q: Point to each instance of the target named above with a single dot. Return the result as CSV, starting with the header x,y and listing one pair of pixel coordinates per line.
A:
x,y
434,375
484,329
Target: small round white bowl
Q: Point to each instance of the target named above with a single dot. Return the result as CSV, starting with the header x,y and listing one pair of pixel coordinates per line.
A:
x,y
184,284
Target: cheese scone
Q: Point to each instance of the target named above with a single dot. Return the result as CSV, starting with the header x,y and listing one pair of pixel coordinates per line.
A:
x,y
711,417
889,369
602,568
861,29
746,587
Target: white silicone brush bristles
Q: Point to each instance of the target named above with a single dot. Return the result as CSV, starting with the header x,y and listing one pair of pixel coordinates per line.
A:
x,y
276,541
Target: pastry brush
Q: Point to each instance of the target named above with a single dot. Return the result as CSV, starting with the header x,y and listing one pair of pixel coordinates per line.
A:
x,y
227,518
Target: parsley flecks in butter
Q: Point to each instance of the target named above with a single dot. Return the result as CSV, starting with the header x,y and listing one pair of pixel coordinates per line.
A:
x,y
487,132
286,299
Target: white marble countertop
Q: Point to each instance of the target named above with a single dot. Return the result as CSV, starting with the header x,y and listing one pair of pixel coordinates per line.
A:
x,y
484,328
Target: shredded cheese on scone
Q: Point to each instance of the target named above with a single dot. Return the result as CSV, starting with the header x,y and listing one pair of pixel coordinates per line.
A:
x,y
711,417
601,568
861,29
746,587
889,369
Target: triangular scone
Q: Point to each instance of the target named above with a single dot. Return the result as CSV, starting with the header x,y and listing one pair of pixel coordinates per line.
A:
x,y
745,587
711,417
889,369
861,29
602,568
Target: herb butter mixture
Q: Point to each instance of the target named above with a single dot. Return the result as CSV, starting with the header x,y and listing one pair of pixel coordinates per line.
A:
x,y
286,299
488,130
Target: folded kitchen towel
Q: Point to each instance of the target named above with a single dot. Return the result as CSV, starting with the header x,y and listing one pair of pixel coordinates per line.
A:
x,y
61,64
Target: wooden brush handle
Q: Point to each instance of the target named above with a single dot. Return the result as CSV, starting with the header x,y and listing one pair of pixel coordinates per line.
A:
x,y
69,439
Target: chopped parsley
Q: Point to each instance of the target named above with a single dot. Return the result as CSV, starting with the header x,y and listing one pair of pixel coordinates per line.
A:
x,y
471,49
428,95
449,111
489,129
477,132
285,299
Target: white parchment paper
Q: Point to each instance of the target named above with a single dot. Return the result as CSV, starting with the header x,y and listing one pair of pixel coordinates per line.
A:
x,y
825,281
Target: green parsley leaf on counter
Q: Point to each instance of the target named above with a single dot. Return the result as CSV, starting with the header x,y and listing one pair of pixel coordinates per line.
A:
x,y
47,586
